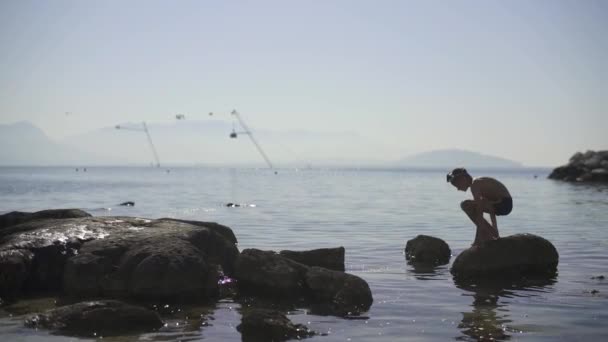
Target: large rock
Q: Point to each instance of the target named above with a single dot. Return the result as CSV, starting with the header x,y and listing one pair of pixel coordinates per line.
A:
x,y
160,259
270,325
114,256
516,255
345,294
427,249
266,273
96,319
330,258
17,217
591,166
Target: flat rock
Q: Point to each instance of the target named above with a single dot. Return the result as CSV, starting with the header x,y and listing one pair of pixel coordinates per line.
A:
x,y
330,258
97,318
270,325
427,249
516,255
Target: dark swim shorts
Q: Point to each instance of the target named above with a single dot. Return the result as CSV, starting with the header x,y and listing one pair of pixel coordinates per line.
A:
x,y
503,207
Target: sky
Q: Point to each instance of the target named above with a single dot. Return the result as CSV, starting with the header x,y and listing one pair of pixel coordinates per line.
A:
x,y
524,80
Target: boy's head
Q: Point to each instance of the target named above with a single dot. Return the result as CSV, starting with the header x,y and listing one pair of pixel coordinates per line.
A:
x,y
460,179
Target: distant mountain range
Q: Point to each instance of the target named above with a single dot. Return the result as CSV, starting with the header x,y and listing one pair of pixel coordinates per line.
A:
x,y
452,158
208,143
22,143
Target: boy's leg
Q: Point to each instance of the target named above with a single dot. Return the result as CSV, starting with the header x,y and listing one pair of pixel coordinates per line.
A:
x,y
483,233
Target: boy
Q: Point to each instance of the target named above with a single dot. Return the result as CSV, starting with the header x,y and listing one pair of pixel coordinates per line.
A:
x,y
489,196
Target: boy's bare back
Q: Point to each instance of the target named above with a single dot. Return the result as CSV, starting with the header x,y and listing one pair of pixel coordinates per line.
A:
x,y
489,189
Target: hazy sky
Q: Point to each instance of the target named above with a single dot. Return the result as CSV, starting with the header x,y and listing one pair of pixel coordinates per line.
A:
x,y
526,80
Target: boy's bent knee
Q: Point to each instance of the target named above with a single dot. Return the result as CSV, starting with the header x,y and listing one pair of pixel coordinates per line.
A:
x,y
467,205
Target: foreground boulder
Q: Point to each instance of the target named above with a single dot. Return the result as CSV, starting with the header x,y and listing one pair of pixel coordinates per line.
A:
x,y
516,255
330,258
591,166
427,249
97,318
270,325
114,256
271,275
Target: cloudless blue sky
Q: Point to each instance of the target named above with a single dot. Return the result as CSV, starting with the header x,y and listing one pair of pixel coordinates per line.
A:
x,y
526,80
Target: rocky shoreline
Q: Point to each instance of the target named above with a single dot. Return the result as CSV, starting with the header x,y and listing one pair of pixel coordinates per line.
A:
x,y
122,275
591,166
112,267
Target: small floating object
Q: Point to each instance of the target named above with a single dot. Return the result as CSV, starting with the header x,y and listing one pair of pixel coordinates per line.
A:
x,y
232,205
128,204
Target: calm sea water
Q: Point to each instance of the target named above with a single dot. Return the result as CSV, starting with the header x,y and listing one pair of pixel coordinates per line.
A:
x,y
372,213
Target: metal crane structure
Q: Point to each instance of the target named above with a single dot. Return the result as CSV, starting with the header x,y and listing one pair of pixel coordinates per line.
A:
x,y
144,128
234,134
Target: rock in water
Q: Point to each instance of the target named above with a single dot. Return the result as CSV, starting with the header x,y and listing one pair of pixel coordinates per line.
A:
x,y
516,255
270,325
268,274
330,258
591,166
345,294
96,319
427,249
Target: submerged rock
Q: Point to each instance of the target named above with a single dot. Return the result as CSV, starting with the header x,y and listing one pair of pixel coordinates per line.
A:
x,y
114,256
516,255
330,258
427,249
270,325
96,319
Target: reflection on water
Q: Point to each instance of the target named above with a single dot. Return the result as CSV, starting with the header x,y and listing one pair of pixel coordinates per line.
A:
x,y
489,318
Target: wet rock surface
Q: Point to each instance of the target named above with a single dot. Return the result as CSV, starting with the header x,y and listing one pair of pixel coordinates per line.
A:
x,y
428,250
330,258
79,257
17,217
114,256
96,318
511,256
270,325
591,166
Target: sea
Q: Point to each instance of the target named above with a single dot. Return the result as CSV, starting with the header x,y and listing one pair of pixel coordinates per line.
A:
x,y
372,213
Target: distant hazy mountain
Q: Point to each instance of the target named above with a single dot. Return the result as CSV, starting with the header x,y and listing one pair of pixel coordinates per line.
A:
x,y
24,144
457,158
207,142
